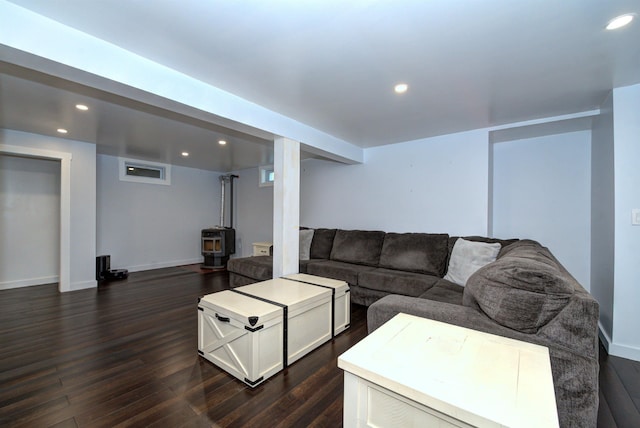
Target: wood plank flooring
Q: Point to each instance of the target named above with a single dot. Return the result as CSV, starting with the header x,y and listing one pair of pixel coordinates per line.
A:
x,y
125,355
619,392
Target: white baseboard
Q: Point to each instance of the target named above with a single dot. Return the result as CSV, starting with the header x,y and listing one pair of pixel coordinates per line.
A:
x,y
160,265
624,351
83,285
604,337
617,349
28,282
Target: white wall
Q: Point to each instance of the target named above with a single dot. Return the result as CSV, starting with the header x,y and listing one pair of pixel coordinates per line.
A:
x,y
437,185
434,185
626,130
83,199
542,191
29,221
253,212
441,185
146,226
602,215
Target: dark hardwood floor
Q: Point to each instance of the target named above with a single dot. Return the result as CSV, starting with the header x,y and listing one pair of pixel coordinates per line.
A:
x,y
619,392
125,355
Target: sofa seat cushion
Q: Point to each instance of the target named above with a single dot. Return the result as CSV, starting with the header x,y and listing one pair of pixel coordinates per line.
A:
x,y
259,267
304,263
337,270
357,246
237,280
415,252
524,289
444,291
396,281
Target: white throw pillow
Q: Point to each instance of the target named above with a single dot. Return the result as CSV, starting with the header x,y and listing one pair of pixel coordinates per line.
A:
x,y
306,235
467,257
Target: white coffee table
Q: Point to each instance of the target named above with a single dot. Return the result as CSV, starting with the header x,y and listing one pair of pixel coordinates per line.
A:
x,y
307,313
418,372
238,334
252,332
340,291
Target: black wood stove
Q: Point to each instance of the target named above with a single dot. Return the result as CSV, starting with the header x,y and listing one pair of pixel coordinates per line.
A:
x,y
218,243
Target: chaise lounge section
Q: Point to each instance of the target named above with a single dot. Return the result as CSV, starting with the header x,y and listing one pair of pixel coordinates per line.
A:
x,y
527,295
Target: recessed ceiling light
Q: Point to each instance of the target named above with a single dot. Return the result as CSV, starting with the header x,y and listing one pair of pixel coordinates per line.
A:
x,y
401,88
62,130
185,154
222,142
82,107
620,21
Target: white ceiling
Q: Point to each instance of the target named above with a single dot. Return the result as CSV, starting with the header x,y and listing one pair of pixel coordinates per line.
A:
x,y
332,64
122,127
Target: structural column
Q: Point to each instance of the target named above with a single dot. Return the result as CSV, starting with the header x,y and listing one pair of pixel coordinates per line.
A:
x,y
64,280
286,206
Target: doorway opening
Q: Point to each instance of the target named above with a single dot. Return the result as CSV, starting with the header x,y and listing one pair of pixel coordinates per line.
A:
x,y
64,272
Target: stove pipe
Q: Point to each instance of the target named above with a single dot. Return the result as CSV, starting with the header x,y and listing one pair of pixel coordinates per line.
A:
x,y
223,181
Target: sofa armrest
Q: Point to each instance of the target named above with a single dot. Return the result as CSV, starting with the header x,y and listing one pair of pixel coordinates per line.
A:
x,y
575,376
462,316
389,306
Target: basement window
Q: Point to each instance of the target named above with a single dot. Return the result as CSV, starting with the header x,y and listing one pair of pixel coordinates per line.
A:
x,y
266,176
144,172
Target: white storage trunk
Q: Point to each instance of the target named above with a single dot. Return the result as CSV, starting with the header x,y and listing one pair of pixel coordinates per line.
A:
x,y
341,298
308,308
241,335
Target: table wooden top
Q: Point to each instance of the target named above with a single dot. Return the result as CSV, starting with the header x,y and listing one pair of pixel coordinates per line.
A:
x,y
240,307
290,293
318,280
479,378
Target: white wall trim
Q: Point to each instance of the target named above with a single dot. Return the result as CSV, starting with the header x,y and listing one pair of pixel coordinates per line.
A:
x,y
64,283
604,337
579,115
624,351
617,349
82,285
7,285
174,263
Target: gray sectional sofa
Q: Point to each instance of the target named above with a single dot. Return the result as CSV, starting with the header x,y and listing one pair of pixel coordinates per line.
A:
x,y
374,263
525,294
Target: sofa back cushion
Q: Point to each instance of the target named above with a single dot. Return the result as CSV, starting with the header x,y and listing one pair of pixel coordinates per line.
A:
x,y
321,243
503,242
469,256
415,252
304,244
357,246
524,289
